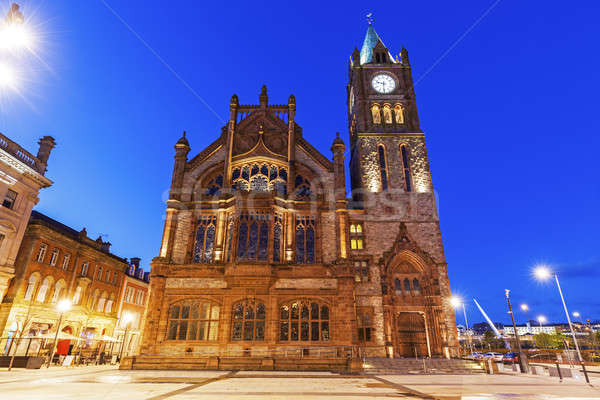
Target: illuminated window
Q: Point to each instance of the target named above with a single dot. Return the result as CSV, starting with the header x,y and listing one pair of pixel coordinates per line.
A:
x,y
406,169
59,287
361,271
193,320
399,114
31,284
228,246
99,274
84,268
356,236
376,114
387,114
248,321
253,237
77,295
41,296
382,168
277,239
365,324
260,177
66,260
205,239
305,240
304,321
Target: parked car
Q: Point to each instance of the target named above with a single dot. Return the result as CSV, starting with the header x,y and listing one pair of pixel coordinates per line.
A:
x,y
474,356
510,358
494,356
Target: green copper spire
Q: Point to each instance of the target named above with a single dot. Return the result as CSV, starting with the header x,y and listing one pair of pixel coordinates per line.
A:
x,y
371,39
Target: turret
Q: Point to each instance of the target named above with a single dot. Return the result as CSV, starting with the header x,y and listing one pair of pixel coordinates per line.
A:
x,y
263,99
182,148
338,148
46,143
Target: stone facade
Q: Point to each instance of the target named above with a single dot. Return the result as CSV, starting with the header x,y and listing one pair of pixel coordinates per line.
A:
x,y
263,253
21,178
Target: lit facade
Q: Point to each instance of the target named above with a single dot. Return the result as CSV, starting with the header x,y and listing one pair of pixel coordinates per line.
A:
x,y
264,253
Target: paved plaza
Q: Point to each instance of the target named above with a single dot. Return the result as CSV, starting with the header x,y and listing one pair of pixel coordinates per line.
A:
x,y
59,383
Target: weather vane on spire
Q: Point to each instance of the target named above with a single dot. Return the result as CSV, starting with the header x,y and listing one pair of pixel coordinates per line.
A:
x,y
370,18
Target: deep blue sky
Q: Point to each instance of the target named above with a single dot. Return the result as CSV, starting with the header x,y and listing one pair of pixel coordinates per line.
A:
x,y
510,115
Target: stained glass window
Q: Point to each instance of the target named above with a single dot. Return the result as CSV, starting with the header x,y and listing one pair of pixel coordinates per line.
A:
x,y
406,169
277,239
383,168
214,186
253,237
260,177
304,321
205,239
193,320
305,240
230,228
248,321
303,189
416,287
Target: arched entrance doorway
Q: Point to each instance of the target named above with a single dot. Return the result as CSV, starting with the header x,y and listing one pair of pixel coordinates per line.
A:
x,y
410,335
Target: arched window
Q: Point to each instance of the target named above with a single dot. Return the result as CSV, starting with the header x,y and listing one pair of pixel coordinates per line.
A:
x,y
42,252
214,186
277,239
230,228
302,185
416,287
397,285
58,289
77,295
100,305
54,257
387,114
399,114
260,177
41,296
376,114
205,239
248,321
406,286
108,307
356,236
31,284
305,240
304,321
253,237
383,167
193,320
406,168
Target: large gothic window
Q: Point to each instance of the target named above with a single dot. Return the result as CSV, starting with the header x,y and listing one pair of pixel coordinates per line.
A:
x,y
302,185
205,239
305,240
376,114
382,167
304,321
277,229
214,186
253,237
193,320
406,169
399,114
248,321
260,177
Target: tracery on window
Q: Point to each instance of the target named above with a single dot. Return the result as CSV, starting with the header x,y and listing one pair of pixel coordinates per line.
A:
x,y
376,113
214,187
302,187
356,236
261,177
277,242
305,240
382,167
248,321
387,113
253,237
406,168
205,239
193,320
304,320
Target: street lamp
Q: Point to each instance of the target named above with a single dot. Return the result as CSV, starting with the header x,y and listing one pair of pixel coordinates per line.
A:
x,y
543,273
63,306
456,302
542,320
524,307
127,318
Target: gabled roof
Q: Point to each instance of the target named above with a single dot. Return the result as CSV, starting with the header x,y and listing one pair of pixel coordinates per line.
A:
x,y
371,40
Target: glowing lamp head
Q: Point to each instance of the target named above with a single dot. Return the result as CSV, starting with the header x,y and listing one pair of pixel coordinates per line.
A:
x,y
542,273
541,319
456,301
64,305
127,318
14,36
576,314
524,307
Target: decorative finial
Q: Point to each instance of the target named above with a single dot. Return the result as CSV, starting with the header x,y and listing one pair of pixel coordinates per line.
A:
x,y
183,133
370,18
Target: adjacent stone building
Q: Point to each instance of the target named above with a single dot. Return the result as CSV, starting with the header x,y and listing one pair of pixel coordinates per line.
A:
x,y
21,178
57,262
264,255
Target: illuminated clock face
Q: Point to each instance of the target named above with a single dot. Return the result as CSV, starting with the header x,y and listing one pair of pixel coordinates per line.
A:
x,y
383,83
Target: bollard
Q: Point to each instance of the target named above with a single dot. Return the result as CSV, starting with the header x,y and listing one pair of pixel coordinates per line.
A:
x,y
559,371
587,378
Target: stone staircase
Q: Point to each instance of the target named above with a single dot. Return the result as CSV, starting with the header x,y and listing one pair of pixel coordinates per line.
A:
x,y
404,366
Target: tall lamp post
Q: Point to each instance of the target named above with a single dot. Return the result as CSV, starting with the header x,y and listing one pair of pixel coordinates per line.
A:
x,y
543,273
126,320
62,307
522,356
542,320
456,302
